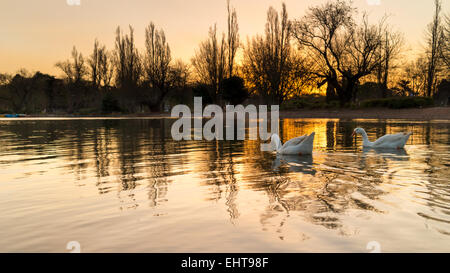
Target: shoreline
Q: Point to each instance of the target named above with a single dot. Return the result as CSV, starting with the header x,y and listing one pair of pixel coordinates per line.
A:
x,y
432,113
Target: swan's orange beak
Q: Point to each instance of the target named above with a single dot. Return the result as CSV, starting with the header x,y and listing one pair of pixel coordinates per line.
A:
x,y
353,134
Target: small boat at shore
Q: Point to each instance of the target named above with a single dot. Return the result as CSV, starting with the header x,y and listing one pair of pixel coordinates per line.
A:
x,y
14,115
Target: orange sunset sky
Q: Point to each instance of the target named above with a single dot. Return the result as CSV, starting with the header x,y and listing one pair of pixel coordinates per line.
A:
x,y
37,34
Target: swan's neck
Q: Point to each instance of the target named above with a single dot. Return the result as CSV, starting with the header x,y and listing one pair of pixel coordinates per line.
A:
x,y
277,142
366,141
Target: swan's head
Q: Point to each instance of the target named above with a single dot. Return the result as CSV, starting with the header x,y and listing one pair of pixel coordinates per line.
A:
x,y
275,141
358,131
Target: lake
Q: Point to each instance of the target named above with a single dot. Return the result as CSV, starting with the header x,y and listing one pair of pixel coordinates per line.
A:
x,y
123,185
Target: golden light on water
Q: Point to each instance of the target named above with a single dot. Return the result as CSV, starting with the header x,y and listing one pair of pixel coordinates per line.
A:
x,y
124,185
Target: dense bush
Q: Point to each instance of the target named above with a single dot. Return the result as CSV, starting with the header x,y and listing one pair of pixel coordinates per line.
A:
x,y
308,102
110,104
398,102
204,91
234,91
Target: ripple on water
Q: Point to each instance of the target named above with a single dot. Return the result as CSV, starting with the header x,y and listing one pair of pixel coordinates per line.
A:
x,y
124,185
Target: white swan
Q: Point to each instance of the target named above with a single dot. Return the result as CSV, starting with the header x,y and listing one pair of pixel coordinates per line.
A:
x,y
394,141
301,145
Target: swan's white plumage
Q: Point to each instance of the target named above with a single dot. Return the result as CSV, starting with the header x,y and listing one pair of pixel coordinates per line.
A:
x,y
301,145
391,141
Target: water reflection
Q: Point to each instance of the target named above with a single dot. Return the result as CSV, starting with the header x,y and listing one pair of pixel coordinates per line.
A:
x,y
391,154
134,163
296,163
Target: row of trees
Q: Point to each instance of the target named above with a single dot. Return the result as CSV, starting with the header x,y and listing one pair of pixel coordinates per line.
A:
x,y
327,47
127,69
333,48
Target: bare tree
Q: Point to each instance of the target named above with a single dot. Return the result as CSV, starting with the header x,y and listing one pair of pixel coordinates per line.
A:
x,y
232,37
445,48
416,73
127,60
270,65
157,64
210,62
343,52
79,68
215,59
67,69
105,68
179,74
94,63
360,57
434,43
75,70
389,52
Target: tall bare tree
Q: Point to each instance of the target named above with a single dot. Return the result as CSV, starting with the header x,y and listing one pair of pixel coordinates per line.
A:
x,y
434,43
343,51
270,65
75,70
95,62
390,51
127,60
232,37
105,68
157,64
416,73
445,48
210,62
179,74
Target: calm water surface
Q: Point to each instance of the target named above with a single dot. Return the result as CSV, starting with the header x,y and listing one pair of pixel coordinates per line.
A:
x,y
123,185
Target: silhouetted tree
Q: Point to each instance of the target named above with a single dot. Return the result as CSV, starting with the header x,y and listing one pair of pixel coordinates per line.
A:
x,y
234,90
179,74
232,37
25,90
389,52
21,90
106,67
210,62
97,64
405,88
270,65
416,72
127,61
157,64
343,51
74,70
203,90
445,48
435,39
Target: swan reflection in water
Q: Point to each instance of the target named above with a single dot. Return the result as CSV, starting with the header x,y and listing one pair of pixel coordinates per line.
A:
x,y
391,154
296,163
